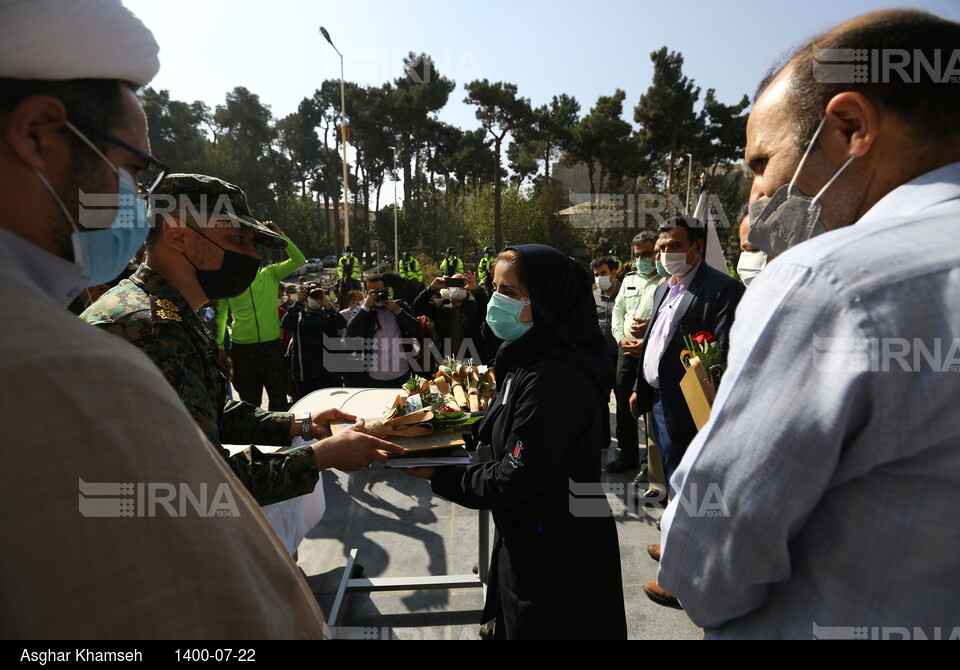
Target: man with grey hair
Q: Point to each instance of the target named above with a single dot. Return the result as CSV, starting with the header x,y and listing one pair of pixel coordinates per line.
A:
x,y
82,412
631,312
835,488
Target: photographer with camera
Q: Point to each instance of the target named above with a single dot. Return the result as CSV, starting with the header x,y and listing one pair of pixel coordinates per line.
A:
x,y
387,328
313,321
457,319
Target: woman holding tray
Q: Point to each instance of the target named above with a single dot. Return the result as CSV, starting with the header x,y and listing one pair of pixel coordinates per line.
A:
x,y
555,569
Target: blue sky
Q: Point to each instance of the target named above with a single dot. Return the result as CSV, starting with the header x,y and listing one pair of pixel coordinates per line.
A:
x,y
583,49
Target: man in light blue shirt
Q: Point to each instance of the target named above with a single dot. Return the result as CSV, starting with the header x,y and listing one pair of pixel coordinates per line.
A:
x,y
820,500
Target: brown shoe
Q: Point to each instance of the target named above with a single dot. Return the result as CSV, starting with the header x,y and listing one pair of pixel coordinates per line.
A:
x,y
654,551
659,596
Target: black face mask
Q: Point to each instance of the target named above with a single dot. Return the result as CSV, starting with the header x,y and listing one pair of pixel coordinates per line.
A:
x,y
236,273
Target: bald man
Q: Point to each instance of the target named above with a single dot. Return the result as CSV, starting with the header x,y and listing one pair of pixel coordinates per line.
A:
x,y
820,500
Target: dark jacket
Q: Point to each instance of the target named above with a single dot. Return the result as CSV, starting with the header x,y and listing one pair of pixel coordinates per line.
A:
x,y
471,314
363,323
708,304
555,570
309,330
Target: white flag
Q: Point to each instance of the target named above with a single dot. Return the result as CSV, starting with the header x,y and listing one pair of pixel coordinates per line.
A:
x,y
714,254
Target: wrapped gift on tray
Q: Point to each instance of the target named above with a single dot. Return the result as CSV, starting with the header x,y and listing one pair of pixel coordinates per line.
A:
x,y
424,432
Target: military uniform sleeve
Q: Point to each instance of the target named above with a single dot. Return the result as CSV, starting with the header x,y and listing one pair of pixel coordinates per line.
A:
x,y
275,476
167,344
242,423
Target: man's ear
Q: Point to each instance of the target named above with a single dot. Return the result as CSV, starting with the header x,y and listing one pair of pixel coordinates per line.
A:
x,y
851,126
175,233
32,130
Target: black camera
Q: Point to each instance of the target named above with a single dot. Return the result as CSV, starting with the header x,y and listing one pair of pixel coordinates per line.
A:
x,y
382,294
454,282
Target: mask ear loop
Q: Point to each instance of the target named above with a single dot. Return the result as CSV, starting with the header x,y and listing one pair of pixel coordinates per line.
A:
x,y
806,155
90,144
832,179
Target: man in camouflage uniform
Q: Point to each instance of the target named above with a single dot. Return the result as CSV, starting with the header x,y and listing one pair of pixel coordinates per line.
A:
x,y
156,311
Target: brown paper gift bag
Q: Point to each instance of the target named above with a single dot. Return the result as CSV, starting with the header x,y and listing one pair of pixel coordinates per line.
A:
x,y
697,388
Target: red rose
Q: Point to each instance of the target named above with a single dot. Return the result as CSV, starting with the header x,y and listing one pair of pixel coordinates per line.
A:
x,y
703,337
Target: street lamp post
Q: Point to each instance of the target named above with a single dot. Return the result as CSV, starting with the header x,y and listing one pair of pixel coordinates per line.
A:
x,y
343,134
396,246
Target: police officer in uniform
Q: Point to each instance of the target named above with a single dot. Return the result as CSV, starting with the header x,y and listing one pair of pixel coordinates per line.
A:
x,y
451,265
190,261
485,270
348,267
410,269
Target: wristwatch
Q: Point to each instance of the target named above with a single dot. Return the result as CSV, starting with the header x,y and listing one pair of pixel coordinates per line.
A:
x,y
305,426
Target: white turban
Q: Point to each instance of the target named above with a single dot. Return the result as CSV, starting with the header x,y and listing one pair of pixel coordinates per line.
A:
x,y
75,39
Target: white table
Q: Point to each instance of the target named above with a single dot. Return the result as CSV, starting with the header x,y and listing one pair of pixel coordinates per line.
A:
x,y
368,403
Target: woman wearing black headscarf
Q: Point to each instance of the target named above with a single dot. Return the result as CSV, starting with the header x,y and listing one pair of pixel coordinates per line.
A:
x,y
555,570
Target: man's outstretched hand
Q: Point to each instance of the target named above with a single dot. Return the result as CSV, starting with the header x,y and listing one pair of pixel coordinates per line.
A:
x,y
352,449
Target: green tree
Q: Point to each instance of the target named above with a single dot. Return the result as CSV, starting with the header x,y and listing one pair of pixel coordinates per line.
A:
x,y
725,131
176,137
243,152
500,110
548,135
669,125
601,140
419,95
472,162
521,222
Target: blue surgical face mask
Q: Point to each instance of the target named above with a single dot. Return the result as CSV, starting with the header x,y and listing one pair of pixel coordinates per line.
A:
x,y
662,271
503,317
110,242
645,266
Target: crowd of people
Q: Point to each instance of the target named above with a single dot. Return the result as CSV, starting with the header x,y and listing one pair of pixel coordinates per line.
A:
x,y
805,444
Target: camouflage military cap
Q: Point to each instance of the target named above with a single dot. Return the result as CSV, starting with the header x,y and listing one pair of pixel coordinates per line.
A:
x,y
215,196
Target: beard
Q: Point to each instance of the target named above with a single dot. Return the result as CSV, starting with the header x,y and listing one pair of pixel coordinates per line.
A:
x,y
86,176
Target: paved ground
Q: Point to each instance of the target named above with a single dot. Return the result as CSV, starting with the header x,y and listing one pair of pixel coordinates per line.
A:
x,y
401,530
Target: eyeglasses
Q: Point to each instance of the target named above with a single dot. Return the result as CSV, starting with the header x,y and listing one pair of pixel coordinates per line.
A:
x,y
155,171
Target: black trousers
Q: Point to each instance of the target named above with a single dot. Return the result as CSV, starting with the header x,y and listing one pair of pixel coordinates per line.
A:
x,y
258,366
627,428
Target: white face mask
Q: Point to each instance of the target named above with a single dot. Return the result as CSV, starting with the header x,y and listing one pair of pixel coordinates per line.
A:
x,y
750,265
458,294
604,283
676,263
314,305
